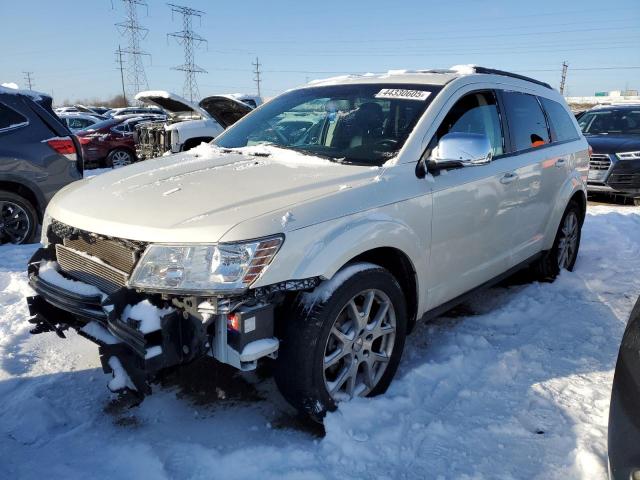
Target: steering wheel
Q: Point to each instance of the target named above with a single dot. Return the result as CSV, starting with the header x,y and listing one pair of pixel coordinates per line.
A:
x,y
282,138
387,143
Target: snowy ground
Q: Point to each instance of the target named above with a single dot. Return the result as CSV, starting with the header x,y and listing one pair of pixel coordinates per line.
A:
x,y
515,384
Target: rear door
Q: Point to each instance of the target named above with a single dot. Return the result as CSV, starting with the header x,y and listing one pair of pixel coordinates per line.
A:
x,y
541,166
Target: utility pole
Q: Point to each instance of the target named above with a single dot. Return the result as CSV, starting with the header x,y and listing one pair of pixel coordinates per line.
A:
x,y
28,79
257,75
565,66
120,63
189,40
134,33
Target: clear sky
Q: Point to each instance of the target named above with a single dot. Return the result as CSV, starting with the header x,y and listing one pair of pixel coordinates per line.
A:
x,y
69,45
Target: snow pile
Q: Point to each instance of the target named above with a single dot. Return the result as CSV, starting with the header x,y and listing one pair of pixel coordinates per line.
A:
x,y
147,314
326,289
515,385
120,378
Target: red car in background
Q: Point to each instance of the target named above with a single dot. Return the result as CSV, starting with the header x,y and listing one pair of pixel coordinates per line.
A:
x,y
111,143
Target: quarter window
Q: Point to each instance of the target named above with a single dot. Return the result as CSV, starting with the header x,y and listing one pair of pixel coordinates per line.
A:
x,y
9,118
474,113
527,124
561,124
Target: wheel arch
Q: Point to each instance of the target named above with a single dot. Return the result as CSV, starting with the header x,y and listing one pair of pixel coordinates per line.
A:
x,y
400,266
572,190
23,191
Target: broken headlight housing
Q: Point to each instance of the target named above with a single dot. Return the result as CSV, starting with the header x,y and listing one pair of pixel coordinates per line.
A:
x,y
201,269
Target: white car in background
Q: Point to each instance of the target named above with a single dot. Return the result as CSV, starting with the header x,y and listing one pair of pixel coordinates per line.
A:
x,y
189,124
317,230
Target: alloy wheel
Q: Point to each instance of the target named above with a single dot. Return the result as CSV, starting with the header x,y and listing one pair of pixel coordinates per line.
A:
x,y
120,159
14,222
359,346
568,240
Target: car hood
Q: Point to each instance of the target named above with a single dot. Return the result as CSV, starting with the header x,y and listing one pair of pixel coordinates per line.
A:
x,y
200,195
614,143
171,103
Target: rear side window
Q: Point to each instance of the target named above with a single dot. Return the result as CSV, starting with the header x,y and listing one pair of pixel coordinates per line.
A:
x,y
527,124
561,124
9,118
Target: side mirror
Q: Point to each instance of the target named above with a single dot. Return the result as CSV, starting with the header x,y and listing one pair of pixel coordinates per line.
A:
x,y
455,150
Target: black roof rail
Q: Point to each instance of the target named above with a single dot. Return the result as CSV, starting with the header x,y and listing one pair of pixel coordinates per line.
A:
x,y
493,71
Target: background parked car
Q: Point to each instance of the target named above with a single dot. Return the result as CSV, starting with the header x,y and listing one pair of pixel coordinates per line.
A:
x,y
38,156
114,112
614,135
79,121
624,413
188,124
110,143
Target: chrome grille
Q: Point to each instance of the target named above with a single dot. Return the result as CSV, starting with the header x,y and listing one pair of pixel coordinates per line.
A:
x,y
109,251
90,270
599,161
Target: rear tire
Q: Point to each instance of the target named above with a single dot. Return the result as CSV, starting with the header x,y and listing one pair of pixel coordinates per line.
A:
x,y
564,253
341,343
119,158
18,219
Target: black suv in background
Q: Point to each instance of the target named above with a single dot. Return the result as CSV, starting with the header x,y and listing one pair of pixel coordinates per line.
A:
x,y
38,156
614,135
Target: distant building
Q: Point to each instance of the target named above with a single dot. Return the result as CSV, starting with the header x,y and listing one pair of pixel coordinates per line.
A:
x,y
604,98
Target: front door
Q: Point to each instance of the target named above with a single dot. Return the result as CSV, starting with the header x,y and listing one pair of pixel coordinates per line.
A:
x,y
474,215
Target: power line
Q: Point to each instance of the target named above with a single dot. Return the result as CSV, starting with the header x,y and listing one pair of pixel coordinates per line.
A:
x,y
28,79
190,40
257,75
134,33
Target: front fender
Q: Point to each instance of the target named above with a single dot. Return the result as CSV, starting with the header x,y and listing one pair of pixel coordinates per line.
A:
x,y
321,250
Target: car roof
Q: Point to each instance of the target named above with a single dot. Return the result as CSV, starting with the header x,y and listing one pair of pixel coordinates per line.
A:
x,y
437,77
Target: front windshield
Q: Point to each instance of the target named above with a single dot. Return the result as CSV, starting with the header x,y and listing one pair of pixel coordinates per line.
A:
x,y
613,122
365,124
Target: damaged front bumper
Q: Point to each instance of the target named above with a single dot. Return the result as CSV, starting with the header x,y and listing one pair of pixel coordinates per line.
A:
x,y
237,331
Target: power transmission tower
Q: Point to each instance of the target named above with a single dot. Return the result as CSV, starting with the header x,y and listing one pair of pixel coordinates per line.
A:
x,y
189,40
28,79
565,65
134,33
120,63
257,75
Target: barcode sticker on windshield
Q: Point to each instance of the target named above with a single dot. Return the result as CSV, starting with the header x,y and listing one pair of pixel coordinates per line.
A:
x,y
401,93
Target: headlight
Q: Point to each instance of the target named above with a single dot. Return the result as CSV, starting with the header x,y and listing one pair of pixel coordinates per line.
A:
x,y
217,268
175,137
628,155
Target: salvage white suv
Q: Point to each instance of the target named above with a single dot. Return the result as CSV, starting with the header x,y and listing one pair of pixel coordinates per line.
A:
x,y
317,230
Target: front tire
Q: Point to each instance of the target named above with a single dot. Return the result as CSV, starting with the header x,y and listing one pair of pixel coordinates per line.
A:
x,y
564,253
18,219
342,341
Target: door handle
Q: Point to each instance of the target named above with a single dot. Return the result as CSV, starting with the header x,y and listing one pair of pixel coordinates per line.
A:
x,y
509,177
561,162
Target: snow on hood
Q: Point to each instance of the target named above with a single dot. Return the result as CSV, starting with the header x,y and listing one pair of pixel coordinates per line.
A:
x,y
200,195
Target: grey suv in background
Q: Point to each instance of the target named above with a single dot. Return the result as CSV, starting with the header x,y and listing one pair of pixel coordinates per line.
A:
x,y
38,156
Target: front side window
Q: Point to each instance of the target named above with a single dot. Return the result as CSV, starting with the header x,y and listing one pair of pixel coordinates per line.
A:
x,y
365,124
9,118
561,124
527,124
474,113
611,122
